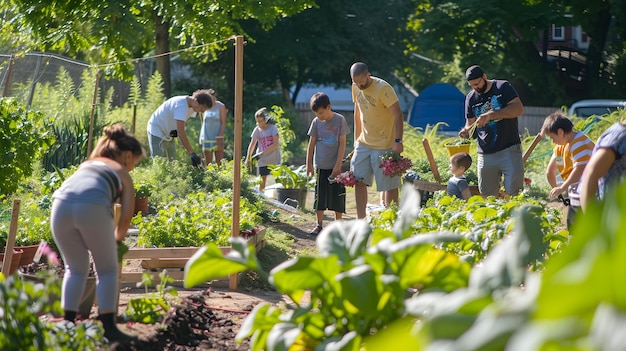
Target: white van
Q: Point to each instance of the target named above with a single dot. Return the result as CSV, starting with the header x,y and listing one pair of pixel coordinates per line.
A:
x,y
586,108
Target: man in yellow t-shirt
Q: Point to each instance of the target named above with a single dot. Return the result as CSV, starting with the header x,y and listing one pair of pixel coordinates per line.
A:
x,y
378,124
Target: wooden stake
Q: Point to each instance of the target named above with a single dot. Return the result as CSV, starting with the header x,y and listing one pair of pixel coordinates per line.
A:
x,y
431,160
532,146
8,249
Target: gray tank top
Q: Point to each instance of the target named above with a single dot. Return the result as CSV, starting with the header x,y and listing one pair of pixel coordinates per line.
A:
x,y
93,182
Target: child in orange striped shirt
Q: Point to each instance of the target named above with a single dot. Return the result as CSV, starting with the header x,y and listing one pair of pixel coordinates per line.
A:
x,y
570,156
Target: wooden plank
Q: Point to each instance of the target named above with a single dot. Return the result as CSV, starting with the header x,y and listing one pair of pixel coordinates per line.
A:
x,y
178,276
163,252
155,260
164,263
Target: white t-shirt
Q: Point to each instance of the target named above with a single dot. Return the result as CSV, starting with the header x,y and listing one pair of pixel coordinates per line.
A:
x,y
163,120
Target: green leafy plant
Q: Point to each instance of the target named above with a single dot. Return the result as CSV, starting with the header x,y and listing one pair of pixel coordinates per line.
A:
x,y
152,308
34,226
290,177
4,236
283,123
143,189
22,302
458,141
358,283
24,137
194,221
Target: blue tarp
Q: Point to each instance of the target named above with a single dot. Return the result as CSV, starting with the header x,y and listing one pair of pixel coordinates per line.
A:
x,y
439,103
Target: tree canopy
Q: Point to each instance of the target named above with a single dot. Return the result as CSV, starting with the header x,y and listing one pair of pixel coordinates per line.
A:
x,y
120,30
292,42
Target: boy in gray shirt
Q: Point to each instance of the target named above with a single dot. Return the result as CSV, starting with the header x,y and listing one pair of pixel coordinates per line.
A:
x,y
327,146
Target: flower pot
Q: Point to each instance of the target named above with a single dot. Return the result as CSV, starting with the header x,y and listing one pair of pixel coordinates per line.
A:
x,y
86,301
299,195
28,253
15,260
141,205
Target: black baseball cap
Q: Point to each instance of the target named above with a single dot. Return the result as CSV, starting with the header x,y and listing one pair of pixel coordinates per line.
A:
x,y
474,72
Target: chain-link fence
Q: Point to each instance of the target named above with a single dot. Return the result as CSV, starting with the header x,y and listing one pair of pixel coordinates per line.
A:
x,y
20,74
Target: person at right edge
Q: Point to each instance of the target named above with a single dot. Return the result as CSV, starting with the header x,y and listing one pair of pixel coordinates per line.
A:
x,y
494,106
378,129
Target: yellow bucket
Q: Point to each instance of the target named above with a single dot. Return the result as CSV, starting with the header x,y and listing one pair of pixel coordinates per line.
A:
x,y
455,149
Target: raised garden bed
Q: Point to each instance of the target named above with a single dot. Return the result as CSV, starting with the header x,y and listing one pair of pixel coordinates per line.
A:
x,y
172,259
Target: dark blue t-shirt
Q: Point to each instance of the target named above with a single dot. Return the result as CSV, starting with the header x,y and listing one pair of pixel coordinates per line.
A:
x,y
496,135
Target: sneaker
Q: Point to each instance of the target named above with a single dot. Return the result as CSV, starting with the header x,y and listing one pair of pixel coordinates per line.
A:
x,y
316,230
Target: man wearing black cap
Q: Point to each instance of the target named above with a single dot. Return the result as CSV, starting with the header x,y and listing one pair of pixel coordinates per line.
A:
x,y
494,106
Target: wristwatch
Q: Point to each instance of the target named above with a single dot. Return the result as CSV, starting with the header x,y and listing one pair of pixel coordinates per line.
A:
x,y
398,140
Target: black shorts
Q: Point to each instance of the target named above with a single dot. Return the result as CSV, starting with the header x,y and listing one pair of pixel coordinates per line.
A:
x,y
328,196
264,170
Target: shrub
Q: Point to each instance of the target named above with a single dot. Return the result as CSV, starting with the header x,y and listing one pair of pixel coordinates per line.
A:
x,y
24,137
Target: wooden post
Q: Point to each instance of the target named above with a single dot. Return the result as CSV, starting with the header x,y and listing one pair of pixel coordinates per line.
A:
x,y
239,43
8,250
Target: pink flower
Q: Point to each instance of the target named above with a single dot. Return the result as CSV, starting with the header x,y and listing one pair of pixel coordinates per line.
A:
x,y
346,178
394,165
45,249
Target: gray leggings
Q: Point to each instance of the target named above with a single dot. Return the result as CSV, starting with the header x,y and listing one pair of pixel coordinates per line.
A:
x,y
79,228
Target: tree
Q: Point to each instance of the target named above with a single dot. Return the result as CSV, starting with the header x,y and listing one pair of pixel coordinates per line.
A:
x,y
603,21
319,44
503,37
117,31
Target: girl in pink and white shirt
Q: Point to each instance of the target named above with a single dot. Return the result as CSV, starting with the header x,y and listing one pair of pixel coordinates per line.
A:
x,y
265,138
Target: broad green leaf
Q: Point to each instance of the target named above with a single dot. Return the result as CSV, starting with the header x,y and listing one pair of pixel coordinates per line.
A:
x,y
490,332
507,262
295,276
409,210
346,239
282,336
360,290
209,262
587,274
484,214
350,341
258,324
398,335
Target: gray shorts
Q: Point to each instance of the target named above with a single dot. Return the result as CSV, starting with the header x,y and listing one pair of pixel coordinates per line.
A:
x,y
492,167
162,147
364,165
